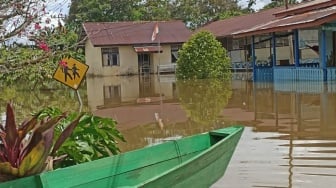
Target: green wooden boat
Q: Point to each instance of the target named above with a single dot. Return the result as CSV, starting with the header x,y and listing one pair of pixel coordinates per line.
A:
x,y
194,161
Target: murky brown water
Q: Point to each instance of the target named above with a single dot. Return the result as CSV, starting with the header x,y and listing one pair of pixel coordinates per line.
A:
x,y
290,135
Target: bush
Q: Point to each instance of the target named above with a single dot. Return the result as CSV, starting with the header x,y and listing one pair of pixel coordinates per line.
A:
x,y
203,57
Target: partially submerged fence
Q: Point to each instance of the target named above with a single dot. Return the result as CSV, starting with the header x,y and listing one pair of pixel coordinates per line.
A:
x,y
166,68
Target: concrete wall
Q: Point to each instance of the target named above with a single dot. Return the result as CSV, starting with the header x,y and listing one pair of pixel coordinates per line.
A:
x,y
161,58
128,60
92,58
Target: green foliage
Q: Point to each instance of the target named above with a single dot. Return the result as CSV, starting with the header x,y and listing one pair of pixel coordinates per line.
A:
x,y
103,11
36,144
156,10
193,13
32,64
203,100
202,56
199,12
25,149
90,10
278,3
231,13
94,138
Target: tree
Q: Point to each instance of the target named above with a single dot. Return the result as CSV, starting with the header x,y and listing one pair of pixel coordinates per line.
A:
x,y
103,11
199,12
202,56
193,13
39,61
90,10
156,10
278,3
17,15
48,42
232,13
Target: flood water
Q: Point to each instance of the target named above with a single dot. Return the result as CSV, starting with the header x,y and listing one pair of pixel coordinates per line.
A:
x,y
290,134
292,140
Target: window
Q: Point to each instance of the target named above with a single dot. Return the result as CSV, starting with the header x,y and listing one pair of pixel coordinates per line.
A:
x,y
238,44
229,44
263,42
235,44
174,52
112,93
283,41
110,56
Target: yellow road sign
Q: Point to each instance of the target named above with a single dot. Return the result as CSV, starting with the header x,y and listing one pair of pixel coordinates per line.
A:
x,y
70,72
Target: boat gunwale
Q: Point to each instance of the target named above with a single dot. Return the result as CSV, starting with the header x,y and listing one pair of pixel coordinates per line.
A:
x,y
43,179
204,152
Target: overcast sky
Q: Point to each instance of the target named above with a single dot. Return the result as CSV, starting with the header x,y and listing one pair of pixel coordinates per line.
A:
x,y
259,4
58,6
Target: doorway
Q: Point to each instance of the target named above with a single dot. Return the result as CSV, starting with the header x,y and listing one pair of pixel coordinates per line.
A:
x,y
144,63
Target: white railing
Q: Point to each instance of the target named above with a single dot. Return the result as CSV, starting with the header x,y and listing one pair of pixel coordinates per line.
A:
x,y
166,68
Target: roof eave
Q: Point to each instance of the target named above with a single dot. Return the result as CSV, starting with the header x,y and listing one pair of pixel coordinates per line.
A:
x,y
314,23
304,9
134,44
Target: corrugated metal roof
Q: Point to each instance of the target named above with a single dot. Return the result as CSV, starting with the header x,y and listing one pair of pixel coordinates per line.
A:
x,y
126,33
306,20
226,27
305,7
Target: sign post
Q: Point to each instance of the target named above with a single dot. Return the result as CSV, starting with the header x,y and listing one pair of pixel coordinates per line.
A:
x,y
70,72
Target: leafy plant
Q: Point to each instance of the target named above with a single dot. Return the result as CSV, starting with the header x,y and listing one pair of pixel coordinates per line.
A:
x,y
24,149
93,138
38,62
202,56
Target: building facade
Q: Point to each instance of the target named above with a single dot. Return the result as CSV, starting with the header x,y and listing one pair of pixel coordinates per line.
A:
x,y
297,43
128,48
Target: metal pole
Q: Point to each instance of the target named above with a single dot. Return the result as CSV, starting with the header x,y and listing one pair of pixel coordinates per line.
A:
x,y
159,48
253,59
323,55
80,101
296,48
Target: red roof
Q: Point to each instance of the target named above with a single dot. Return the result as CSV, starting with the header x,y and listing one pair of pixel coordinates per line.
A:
x,y
306,20
133,33
306,7
226,27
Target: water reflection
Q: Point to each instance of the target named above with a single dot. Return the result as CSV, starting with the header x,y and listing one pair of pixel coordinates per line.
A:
x,y
203,100
293,140
28,99
305,110
106,92
290,136
152,109
291,143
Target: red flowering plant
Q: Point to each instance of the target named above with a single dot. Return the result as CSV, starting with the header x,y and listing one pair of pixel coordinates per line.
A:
x,y
43,46
44,42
